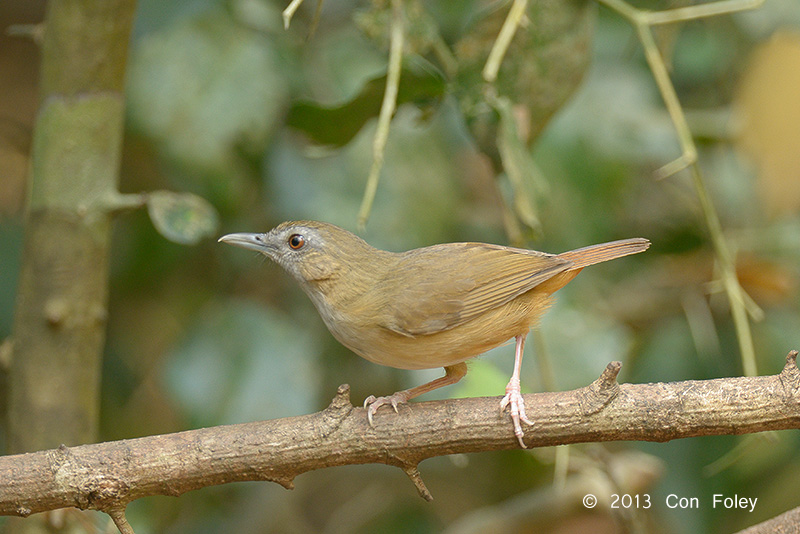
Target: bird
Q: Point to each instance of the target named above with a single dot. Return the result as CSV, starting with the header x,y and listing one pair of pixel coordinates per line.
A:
x,y
435,306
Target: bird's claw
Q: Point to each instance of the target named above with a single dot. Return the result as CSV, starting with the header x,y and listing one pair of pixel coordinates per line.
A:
x,y
514,400
372,403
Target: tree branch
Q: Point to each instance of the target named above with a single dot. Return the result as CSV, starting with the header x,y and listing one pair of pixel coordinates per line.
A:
x,y
107,476
786,522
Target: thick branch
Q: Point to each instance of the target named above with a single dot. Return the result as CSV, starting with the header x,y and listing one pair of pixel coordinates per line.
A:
x,y
107,476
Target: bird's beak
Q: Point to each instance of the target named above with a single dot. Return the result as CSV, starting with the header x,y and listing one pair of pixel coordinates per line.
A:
x,y
257,242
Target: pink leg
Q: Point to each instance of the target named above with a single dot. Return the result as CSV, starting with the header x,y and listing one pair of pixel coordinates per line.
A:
x,y
452,374
513,396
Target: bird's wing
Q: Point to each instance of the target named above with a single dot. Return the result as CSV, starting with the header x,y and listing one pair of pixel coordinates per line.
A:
x,y
441,287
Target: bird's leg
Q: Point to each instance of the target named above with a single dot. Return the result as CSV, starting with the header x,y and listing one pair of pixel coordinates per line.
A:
x,y
513,396
452,374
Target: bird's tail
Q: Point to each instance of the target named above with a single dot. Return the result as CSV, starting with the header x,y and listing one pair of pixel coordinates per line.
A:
x,y
583,257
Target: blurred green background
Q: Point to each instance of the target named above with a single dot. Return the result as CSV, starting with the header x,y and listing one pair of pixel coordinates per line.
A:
x,y
270,124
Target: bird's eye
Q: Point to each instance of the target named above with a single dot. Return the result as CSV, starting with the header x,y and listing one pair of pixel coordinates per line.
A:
x,y
296,241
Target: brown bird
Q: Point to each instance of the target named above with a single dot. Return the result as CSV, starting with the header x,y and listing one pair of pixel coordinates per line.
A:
x,y
430,307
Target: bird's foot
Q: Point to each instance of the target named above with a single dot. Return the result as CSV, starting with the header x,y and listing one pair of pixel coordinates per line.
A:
x,y
514,400
372,403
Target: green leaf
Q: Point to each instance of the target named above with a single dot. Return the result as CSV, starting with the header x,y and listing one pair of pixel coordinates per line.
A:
x,y
181,217
420,83
518,165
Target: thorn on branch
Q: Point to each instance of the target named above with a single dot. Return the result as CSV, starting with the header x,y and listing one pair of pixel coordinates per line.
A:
x,y
117,515
608,379
790,376
602,391
341,402
336,412
791,359
413,473
286,482
59,456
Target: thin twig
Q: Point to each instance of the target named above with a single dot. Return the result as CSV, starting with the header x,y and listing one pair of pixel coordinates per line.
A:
x,y
396,43
504,38
315,20
289,12
711,9
643,22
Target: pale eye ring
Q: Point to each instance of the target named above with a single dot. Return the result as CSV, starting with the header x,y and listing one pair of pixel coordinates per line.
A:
x,y
296,241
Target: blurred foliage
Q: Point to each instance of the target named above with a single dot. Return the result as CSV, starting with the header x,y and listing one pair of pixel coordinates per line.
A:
x,y
269,124
181,217
336,126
